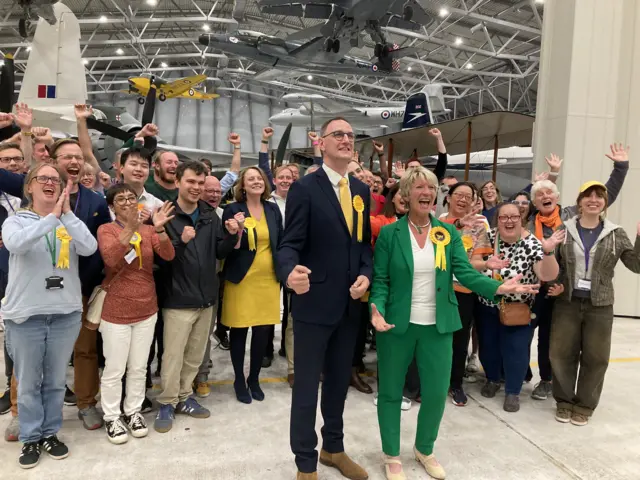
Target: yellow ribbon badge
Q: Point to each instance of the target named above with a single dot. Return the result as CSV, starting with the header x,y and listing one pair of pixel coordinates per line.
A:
x,y
358,206
440,238
467,242
65,239
250,224
136,239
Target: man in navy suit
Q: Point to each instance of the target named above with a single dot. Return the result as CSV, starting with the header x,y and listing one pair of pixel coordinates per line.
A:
x,y
326,259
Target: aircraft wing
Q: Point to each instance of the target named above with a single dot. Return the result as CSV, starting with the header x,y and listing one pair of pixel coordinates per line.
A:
x,y
182,85
395,17
196,95
303,8
318,103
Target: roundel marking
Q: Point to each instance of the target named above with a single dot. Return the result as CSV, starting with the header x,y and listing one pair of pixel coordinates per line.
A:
x,y
374,68
385,114
192,92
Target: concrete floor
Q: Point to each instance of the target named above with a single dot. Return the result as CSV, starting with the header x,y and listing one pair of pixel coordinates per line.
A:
x,y
477,442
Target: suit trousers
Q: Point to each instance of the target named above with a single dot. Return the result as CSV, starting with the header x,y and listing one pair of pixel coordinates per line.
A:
x,y
320,349
433,353
85,364
580,341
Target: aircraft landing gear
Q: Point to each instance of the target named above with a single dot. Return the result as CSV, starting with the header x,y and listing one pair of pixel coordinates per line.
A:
x,y
162,97
332,45
141,100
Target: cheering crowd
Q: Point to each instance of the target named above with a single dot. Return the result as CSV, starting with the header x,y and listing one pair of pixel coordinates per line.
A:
x,y
114,273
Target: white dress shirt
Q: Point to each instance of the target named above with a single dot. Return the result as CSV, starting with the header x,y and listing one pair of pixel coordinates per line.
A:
x,y
280,202
334,178
10,203
150,203
423,291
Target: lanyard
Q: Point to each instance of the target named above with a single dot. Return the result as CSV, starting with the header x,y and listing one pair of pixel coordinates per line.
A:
x,y
587,253
52,249
75,210
8,202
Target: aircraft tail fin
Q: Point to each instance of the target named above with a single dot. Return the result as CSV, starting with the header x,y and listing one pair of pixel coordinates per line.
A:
x,y
55,74
417,112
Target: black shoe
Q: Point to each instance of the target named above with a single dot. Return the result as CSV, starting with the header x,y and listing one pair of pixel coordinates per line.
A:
x,y
147,406
5,402
157,372
30,456
282,352
266,362
70,399
256,391
149,383
54,447
224,340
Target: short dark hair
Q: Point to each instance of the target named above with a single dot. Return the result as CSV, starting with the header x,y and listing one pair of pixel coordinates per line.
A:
x,y
499,207
207,162
63,141
137,151
472,186
389,209
325,125
9,146
116,189
193,165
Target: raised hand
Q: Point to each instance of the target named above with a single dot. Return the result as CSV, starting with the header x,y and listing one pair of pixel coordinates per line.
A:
x,y
298,280
359,287
57,210
555,290
399,169
513,286
82,111
132,219
541,176
145,214
42,133
149,130
471,219
232,226
105,180
23,116
66,207
550,244
234,139
267,133
188,234
378,321
618,153
435,132
497,263
378,147
391,182
163,215
6,120
554,162
313,136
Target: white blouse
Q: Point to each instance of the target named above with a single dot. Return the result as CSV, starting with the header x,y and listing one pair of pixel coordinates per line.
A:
x,y
423,298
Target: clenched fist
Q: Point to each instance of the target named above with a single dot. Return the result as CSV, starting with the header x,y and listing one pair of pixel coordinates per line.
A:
x,y
232,226
298,280
188,234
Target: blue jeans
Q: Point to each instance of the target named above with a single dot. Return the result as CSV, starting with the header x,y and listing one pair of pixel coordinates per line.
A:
x,y
41,348
501,348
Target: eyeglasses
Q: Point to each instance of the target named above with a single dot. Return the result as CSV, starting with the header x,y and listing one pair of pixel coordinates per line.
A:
x,y
523,203
339,135
69,156
468,198
8,160
509,218
124,200
43,180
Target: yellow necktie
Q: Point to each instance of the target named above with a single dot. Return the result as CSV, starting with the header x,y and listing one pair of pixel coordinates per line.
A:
x,y
345,203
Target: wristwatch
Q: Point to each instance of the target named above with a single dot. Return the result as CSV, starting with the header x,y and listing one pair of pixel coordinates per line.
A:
x,y
549,254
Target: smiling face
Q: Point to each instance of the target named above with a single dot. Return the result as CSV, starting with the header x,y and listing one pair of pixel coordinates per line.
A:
x,y
70,160
337,143
460,201
135,171
88,177
166,167
45,187
522,202
378,185
421,197
212,192
283,181
509,223
546,200
368,178
190,186
11,159
253,183
398,203
593,201
354,169
489,194
295,171
123,203
41,153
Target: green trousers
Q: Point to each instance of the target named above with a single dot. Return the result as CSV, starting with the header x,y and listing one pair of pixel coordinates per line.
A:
x,y
433,352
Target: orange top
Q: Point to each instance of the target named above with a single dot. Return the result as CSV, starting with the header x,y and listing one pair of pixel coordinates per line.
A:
x,y
377,223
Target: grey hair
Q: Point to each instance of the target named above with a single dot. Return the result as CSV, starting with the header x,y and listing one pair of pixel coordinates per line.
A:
x,y
312,169
544,184
412,176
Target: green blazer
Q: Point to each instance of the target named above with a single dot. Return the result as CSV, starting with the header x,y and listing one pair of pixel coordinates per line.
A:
x,y
393,278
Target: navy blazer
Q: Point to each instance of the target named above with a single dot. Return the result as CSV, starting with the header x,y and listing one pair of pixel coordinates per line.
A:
x,y
316,236
92,210
237,264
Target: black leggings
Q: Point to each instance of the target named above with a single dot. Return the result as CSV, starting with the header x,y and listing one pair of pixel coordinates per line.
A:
x,y
238,344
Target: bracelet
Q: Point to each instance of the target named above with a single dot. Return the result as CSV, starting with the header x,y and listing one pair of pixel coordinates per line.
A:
x,y
554,174
27,134
316,143
236,147
549,254
266,142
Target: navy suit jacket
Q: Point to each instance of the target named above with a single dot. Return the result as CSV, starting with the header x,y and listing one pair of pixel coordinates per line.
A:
x,y
316,236
237,264
92,210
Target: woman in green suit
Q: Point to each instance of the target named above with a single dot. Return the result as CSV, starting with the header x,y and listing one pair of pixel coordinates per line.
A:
x,y
412,289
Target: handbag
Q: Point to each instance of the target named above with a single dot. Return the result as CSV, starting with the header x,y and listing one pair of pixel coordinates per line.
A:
x,y
96,303
512,314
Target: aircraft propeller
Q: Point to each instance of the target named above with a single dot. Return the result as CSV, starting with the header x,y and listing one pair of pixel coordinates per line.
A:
x,y
7,95
282,146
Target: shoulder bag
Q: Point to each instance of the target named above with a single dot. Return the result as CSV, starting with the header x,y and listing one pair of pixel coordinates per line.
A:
x,y
512,314
96,303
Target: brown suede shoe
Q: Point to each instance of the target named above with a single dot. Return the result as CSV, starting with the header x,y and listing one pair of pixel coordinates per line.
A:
x,y
307,476
347,467
358,383
290,378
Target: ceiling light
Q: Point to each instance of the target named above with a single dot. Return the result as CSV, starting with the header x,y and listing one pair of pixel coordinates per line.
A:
x,y
206,27
309,77
164,65
443,12
408,69
539,1
469,66
103,19
85,61
29,48
458,41
120,51
152,3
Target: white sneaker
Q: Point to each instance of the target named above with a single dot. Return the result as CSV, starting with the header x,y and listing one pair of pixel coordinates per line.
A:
x,y
116,432
375,399
137,425
406,403
472,364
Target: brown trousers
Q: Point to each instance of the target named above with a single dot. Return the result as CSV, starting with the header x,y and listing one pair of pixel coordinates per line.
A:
x,y
85,364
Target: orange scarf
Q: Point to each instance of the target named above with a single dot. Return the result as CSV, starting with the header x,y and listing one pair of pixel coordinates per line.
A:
x,y
553,221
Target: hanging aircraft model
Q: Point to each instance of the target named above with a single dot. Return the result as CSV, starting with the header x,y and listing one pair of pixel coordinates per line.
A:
x,y
308,57
32,10
180,88
347,19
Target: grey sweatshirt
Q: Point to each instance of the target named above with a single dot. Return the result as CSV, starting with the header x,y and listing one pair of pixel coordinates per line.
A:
x,y
30,264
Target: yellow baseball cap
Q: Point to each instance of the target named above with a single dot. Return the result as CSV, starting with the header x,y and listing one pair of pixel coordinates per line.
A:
x,y
586,186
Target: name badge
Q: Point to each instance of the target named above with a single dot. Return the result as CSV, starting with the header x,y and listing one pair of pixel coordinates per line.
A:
x,y
584,284
131,256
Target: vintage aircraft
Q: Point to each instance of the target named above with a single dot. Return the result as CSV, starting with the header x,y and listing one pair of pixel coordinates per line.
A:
x,y
347,19
34,9
180,88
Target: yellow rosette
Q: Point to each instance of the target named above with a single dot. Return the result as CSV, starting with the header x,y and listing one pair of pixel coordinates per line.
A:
x,y
65,240
440,238
467,242
250,224
136,239
358,206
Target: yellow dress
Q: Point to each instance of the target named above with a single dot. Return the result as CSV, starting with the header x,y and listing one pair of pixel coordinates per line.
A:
x,y
256,299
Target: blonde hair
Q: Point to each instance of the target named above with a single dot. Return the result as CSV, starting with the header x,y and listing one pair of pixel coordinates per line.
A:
x,y
412,176
240,195
280,169
33,173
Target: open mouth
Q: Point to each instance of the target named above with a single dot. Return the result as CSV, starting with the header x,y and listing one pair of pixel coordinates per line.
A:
x,y
171,171
73,171
425,202
547,204
138,176
48,191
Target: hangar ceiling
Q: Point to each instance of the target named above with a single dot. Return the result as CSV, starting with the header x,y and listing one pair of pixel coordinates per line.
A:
x,y
485,53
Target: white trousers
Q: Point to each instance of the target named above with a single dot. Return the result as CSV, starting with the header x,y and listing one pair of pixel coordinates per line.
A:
x,y
126,349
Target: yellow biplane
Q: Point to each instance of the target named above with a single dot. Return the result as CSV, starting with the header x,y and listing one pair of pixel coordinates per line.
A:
x,y
181,88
